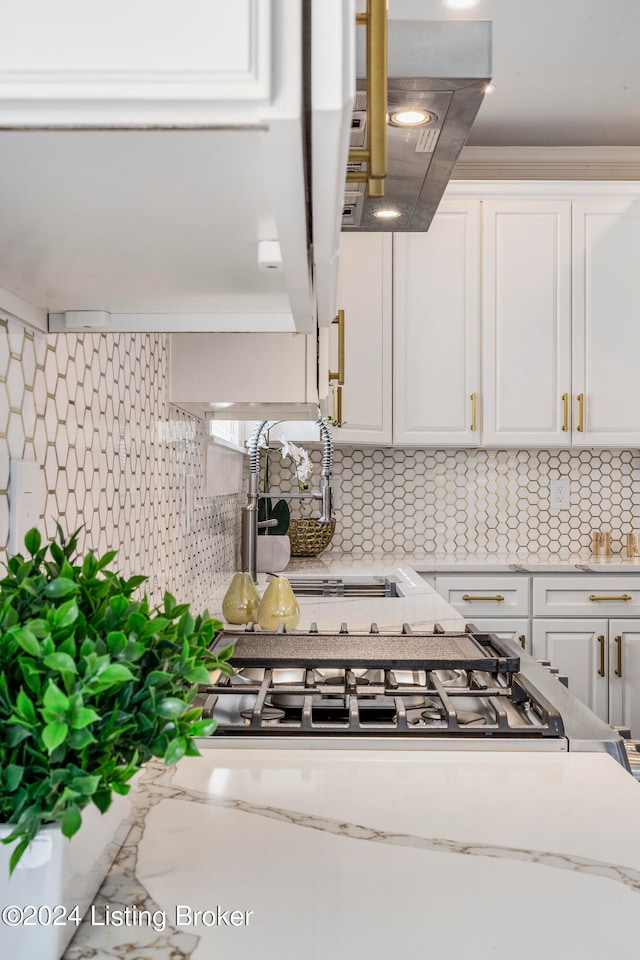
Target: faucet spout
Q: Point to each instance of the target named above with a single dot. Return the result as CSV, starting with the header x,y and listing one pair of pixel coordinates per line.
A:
x,y
250,522
326,512
250,513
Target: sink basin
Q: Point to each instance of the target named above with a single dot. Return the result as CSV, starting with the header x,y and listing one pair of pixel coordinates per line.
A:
x,y
319,586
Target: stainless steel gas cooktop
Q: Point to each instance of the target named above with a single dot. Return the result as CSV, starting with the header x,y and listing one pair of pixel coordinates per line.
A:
x,y
391,685
394,689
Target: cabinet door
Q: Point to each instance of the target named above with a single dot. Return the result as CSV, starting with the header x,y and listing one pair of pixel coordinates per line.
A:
x,y
436,365
527,322
579,649
364,293
624,675
507,629
154,60
606,332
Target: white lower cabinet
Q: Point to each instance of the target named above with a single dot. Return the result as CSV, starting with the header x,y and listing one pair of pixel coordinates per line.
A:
x,y
578,648
624,675
493,603
600,655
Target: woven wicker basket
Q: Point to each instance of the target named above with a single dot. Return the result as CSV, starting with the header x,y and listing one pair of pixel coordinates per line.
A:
x,y
309,537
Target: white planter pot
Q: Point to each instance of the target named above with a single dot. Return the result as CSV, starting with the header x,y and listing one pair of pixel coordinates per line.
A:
x,y
57,872
273,553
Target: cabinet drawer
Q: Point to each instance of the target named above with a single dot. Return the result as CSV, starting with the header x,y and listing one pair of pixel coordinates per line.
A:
x,y
591,596
475,597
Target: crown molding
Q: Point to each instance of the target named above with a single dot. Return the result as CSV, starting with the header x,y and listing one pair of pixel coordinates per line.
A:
x,y
548,163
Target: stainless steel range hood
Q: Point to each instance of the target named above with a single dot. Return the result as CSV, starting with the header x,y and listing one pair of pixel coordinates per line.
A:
x,y
438,67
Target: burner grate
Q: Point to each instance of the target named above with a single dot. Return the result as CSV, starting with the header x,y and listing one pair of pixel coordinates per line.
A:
x,y
432,704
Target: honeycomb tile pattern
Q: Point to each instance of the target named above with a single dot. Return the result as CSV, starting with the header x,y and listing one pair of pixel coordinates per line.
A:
x,y
90,409
474,501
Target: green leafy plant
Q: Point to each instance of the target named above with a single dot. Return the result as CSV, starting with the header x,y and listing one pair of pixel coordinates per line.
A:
x,y
93,683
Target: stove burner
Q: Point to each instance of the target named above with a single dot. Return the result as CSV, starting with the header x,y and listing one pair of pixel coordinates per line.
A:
x,y
469,718
268,714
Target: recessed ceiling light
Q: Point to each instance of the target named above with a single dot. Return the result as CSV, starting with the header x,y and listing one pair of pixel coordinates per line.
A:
x,y
411,118
387,213
220,405
490,87
461,4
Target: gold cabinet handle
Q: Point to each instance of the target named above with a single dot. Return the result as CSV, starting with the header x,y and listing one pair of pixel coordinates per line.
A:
x,y
601,642
622,596
565,402
618,670
339,374
466,596
337,404
580,412
474,411
522,640
375,155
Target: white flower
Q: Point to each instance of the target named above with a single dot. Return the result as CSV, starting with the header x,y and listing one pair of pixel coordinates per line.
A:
x,y
301,460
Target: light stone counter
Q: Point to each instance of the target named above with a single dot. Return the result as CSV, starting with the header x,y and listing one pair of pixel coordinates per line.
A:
x,y
320,853
568,562
364,853
419,604
412,565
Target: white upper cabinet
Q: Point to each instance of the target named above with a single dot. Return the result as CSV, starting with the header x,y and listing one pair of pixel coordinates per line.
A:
x,y
526,322
436,386
85,62
155,163
365,296
606,329
554,286
239,376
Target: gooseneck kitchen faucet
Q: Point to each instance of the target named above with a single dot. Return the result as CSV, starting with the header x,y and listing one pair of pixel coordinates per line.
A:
x,y
250,522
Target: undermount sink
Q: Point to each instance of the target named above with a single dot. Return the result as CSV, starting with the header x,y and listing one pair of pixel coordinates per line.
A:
x,y
319,586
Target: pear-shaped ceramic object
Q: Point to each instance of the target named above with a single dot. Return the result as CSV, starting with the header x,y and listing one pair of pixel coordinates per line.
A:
x,y
241,601
278,605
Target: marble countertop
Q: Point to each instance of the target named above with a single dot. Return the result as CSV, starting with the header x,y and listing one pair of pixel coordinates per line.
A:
x,y
348,564
419,604
524,562
321,853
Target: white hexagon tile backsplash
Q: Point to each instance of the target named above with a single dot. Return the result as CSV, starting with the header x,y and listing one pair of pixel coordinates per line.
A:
x,y
90,409
474,501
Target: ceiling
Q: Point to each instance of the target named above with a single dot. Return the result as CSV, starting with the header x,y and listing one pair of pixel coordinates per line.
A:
x,y
567,76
